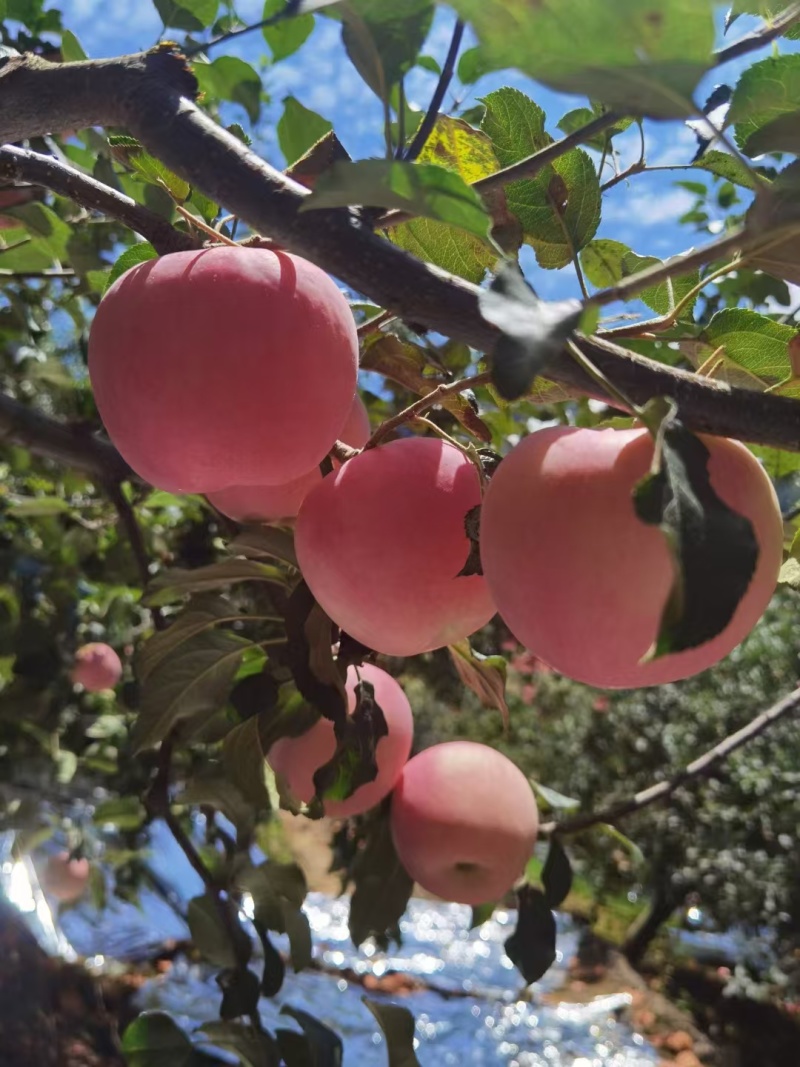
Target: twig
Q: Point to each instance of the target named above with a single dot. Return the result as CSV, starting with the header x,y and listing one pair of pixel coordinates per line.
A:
x,y
21,164
758,38
698,768
71,445
290,11
430,400
640,167
127,516
373,325
427,124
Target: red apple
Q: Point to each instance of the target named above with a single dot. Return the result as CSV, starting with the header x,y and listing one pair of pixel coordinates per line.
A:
x,y
381,543
224,366
65,879
298,758
464,821
97,666
580,580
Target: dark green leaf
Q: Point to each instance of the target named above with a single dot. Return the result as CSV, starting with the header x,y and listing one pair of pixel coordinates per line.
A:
x,y
209,788
354,763
310,635
256,542
714,549
215,940
230,78
481,914
533,332
200,615
241,990
286,36
484,675
532,946
726,166
382,886
253,1048
173,584
398,1028
298,129
51,232
327,1045
422,189
190,15
243,760
765,106
557,874
194,682
383,40
629,56
154,1040
274,972
295,1048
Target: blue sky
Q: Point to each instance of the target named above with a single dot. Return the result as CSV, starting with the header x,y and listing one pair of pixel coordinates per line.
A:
x,y
642,213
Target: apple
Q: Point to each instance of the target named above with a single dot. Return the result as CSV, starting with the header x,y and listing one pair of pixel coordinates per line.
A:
x,y
65,879
464,821
97,666
381,542
299,758
223,366
269,503
580,580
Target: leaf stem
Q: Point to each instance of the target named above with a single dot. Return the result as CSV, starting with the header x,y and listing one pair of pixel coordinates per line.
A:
x,y
430,400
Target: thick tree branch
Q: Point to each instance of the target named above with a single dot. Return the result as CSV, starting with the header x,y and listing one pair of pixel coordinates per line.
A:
x,y
73,446
150,95
699,768
20,164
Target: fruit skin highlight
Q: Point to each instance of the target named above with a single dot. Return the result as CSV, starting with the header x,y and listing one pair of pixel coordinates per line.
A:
x,y
464,821
381,542
97,667
580,580
269,503
224,366
298,758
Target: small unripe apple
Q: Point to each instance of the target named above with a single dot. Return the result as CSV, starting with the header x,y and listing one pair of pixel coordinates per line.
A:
x,y
581,581
65,879
381,543
268,503
299,758
464,821
97,666
223,366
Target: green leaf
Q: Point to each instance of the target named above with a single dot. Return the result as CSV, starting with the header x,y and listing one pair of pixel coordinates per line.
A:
x,y
559,208
765,106
472,65
257,542
556,874
382,886
481,914
241,991
310,635
754,342
776,210
715,550
71,50
607,262
532,946
129,151
484,675
154,1040
212,936
52,233
555,800
178,582
580,116
533,332
726,166
646,58
383,40
210,788
397,1025
244,761
422,189
189,15
327,1045
286,36
194,682
36,507
298,129
790,574
230,78
636,854
199,616
254,1048
138,253
126,813
354,763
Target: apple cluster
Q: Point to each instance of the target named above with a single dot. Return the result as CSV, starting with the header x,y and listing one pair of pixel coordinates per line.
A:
x,y
232,371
